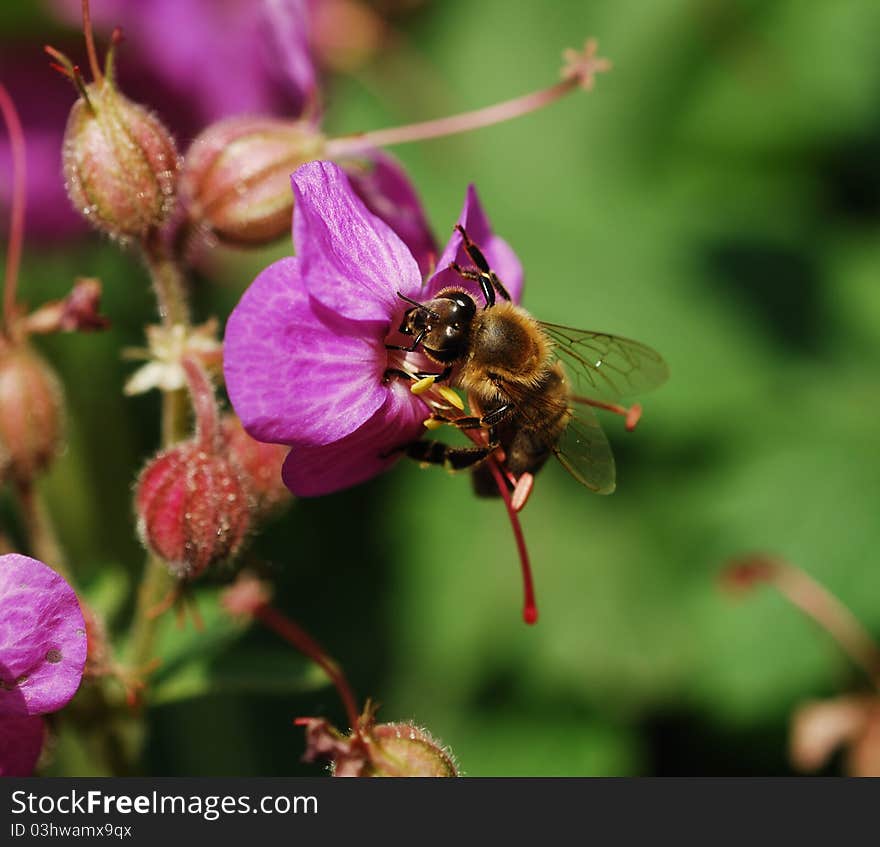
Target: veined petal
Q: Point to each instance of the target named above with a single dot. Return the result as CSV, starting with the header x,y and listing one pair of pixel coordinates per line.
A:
x,y
351,261
295,372
381,182
21,740
312,471
42,638
497,251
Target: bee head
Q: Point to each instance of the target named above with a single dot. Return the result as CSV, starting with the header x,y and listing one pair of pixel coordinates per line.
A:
x,y
443,324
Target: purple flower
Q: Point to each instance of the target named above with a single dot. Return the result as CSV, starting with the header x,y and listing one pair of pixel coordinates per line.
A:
x,y
211,59
177,59
381,182
42,655
305,356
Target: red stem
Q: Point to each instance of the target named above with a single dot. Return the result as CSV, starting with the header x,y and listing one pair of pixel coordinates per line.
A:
x,y
204,404
530,607
307,645
16,222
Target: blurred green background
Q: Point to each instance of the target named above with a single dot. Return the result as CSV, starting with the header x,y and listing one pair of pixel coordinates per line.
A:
x,y
717,197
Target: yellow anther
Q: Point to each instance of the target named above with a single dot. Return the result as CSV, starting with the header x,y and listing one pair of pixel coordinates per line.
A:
x,y
432,423
451,397
420,386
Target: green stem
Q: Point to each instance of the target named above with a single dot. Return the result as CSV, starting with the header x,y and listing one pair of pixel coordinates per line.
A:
x,y
168,281
156,581
42,540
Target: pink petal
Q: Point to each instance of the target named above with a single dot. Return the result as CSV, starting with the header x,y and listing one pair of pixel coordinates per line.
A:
x,y
295,372
351,261
21,740
288,28
380,181
497,251
367,452
42,638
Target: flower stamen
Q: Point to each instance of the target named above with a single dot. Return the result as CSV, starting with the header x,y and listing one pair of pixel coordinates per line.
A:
x,y
420,386
452,397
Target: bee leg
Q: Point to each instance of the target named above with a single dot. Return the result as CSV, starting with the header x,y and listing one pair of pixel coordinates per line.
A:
x,y
488,279
452,458
488,421
440,377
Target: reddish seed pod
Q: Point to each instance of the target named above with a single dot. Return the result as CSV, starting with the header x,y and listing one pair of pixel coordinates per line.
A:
x,y
192,508
259,463
403,749
192,504
235,182
385,749
31,413
120,163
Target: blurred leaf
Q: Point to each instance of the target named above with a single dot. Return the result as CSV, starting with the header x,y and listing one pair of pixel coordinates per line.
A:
x,y
241,671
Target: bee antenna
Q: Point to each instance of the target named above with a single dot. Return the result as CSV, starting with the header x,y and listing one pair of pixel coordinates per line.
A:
x,y
418,305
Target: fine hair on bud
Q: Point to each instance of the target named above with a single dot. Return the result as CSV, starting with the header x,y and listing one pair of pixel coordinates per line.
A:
x,y
192,508
235,182
120,161
192,504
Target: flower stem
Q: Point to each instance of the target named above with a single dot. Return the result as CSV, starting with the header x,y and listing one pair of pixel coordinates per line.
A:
x,y
204,403
42,539
307,645
464,122
16,221
156,581
530,606
167,279
816,601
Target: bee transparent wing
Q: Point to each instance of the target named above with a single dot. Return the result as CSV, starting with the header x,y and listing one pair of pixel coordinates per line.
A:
x,y
585,453
582,449
607,366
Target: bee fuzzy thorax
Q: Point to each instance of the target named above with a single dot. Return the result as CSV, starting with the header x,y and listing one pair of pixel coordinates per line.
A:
x,y
506,343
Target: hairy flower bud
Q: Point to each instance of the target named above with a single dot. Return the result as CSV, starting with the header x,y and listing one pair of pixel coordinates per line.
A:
x,y
259,462
192,508
236,177
403,749
120,163
31,412
385,749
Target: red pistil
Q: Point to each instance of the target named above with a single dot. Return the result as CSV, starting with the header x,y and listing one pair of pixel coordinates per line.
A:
x,y
16,222
530,607
632,414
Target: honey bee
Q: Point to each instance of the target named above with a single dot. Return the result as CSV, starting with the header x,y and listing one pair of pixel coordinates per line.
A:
x,y
517,372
